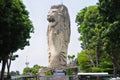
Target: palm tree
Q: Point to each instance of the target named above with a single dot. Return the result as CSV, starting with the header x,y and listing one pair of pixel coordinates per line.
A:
x,y
71,59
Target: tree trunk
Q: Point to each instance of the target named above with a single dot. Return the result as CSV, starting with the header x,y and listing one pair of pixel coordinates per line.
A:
x,y
91,59
116,66
8,68
3,69
114,70
96,53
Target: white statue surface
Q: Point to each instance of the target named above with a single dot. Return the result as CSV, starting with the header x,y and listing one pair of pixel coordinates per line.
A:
x,y
58,35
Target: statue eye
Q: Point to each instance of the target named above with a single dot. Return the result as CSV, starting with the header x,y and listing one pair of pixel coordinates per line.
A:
x,y
54,11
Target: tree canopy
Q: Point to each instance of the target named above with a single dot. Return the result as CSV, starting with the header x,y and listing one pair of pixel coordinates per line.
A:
x,y
15,28
99,28
32,70
110,11
90,27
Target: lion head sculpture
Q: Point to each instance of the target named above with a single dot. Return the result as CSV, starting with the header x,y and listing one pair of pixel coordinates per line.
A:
x,y
58,14
58,35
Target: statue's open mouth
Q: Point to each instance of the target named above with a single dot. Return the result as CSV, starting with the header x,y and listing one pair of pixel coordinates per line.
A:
x,y
51,20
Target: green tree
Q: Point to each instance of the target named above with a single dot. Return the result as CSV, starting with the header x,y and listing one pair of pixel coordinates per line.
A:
x,y
110,11
35,69
27,70
14,73
90,27
71,59
15,29
84,62
48,73
88,20
69,71
32,70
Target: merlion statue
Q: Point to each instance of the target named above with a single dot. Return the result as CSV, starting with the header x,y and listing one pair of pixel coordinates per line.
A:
x,y
58,35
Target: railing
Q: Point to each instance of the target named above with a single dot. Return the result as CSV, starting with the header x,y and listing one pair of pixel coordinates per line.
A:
x,y
53,78
26,77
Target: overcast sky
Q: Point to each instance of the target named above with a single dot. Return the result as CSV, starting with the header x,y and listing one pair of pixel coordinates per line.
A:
x,y
36,53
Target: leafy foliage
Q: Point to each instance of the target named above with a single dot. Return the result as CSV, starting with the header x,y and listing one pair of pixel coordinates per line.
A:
x,y
90,26
84,62
110,11
15,28
33,70
48,73
99,28
13,73
69,72
26,70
